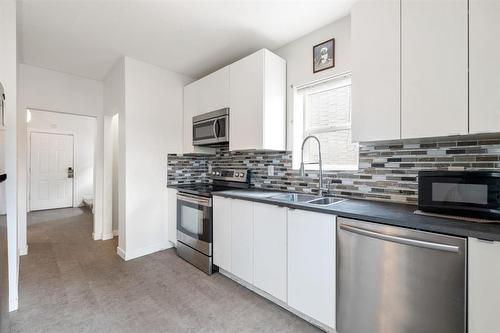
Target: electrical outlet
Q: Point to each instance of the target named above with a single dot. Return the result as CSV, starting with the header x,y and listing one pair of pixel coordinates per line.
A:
x,y
270,170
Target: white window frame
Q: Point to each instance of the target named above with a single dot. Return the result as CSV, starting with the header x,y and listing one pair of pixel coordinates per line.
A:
x,y
299,123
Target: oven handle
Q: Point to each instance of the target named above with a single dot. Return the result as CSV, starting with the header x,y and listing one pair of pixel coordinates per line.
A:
x,y
195,199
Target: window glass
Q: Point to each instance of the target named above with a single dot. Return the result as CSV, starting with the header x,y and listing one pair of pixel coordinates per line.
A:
x,y
324,110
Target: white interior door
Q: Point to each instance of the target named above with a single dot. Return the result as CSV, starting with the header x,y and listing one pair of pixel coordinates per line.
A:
x,y
51,185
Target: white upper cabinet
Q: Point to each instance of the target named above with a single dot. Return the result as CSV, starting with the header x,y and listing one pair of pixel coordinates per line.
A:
x,y
269,239
484,62
434,68
258,102
214,91
375,42
191,109
484,290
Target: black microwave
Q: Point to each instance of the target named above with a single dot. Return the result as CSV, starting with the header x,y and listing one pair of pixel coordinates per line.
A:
x,y
460,193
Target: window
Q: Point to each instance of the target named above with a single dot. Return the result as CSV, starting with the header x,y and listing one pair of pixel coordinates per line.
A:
x,y
323,109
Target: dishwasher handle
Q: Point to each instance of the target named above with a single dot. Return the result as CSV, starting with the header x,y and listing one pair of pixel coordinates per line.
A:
x,y
400,240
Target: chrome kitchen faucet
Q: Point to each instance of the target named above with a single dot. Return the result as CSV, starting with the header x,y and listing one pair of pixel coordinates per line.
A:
x,y
320,162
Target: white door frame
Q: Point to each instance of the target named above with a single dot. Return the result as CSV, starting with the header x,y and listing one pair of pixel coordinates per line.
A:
x,y
28,183
98,177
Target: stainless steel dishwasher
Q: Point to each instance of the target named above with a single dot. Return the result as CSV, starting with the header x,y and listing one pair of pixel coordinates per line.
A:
x,y
398,280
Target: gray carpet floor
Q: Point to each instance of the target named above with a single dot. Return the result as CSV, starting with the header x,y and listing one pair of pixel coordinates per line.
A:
x,y
70,283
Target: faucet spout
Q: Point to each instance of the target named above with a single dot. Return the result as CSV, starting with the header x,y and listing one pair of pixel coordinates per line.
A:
x,y
320,162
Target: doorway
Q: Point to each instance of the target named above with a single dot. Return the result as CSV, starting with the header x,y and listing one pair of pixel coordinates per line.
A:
x,y
51,170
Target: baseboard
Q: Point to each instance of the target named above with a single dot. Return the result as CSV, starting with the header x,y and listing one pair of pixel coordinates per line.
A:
x,y
115,232
121,253
107,236
277,301
13,305
96,237
132,254
23,251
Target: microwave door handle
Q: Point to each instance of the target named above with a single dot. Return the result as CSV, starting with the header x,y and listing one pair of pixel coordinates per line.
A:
x,y
214,128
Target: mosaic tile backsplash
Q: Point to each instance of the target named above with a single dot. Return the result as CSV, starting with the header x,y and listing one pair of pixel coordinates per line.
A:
x,y
387,172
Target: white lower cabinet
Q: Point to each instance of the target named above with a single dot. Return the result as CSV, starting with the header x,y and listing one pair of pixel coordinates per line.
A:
x,y
286,253
242,239
484,287
311,265
269,246
222,232
172,215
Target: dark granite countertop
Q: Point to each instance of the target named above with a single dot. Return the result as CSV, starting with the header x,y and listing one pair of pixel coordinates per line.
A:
x,y
400,215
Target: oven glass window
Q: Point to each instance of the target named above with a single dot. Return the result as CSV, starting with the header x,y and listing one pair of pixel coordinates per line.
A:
x,y
460,193
192,220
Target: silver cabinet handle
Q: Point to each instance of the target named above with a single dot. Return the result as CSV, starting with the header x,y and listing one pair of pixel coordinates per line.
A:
x,y
400,240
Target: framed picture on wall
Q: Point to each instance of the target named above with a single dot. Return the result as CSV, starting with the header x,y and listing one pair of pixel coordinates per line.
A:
x,y
324,55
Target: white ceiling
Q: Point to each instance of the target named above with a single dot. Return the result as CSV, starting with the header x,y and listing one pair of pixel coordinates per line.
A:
x,y
85,37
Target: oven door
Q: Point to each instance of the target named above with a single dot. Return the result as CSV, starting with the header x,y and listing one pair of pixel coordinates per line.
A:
x,y
194,222
475,194
210,131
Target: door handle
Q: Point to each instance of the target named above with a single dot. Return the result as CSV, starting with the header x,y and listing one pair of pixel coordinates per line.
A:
x,y
400,240
214,128
70,172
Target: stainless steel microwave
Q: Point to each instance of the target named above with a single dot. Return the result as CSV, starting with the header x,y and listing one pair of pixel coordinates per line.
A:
x,y
460,193
211,128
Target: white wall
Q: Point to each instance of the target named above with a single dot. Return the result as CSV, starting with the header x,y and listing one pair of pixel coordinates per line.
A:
x,y
83,130
114,162
298,56
153,128
8,76
44,89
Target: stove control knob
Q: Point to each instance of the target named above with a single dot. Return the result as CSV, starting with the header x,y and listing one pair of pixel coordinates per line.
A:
x,y
242,174
217,173
213,172
236,174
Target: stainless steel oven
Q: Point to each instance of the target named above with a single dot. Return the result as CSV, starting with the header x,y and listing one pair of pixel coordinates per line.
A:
x,y
211,128
194,222
194,230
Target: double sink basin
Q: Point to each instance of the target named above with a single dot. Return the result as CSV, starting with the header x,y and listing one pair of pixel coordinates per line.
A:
x,y
307,199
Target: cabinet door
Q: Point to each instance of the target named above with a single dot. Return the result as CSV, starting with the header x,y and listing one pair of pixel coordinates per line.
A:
x,y
214,91
274,112
246,99
269,246
434,68
190,109
222,232
242,239
375,40
311,265
484,288
172,215
484,62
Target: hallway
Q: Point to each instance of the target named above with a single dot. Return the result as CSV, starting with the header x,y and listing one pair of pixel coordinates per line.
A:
x,y
70,283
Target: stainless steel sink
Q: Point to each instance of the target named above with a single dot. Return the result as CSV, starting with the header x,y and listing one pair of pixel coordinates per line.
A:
x,y
295,197
307,199
326,201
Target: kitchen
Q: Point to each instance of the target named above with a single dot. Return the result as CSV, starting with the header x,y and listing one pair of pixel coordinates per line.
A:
x,y
348,177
